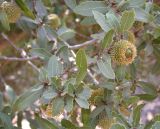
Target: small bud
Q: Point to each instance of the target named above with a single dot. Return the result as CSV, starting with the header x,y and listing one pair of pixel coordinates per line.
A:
x,y
54,21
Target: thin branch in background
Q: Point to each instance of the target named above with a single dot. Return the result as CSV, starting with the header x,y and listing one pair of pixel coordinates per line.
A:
x,y
82,35
17,59
90,42
11,43
22,51
34,6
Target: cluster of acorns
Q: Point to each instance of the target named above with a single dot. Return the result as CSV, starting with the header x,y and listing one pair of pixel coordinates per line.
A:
x,y
13,13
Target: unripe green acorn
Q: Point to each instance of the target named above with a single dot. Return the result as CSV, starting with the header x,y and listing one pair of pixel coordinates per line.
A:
x,y
12,11
123,52
54,21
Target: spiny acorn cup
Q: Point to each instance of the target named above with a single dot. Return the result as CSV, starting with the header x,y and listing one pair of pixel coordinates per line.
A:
x,y
12,11
54,21
123,52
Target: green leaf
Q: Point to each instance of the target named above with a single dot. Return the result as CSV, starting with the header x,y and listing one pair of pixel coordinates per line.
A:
x,y
42,37
133,70
127,20
120,72
137,115
4,20
108,85
25,9
136,3
10,93
132,100
45,124
40,9
107,39
28,98
86,8
106,68
69,89
49,94
88,21
71,3
67,124
146,97
148,88
66,33
85,116
97,111
118,126
83,103
6,120
43,75
113,21
85,94
81,62
41,53
142,15
100,19
69,104
57,105
55,67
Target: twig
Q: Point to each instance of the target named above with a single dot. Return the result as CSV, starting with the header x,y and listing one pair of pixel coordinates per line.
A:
x,y
83,44
22,51
10,42
17,59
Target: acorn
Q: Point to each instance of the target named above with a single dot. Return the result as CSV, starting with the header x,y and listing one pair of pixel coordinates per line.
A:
x,y
106,123
123,52
54,21
12,11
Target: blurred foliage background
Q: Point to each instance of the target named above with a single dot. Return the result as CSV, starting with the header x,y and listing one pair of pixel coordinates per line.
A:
x,y
56,68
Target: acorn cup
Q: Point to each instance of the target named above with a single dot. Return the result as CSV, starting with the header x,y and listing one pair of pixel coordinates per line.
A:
x,y
12,11
123,52
54,21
